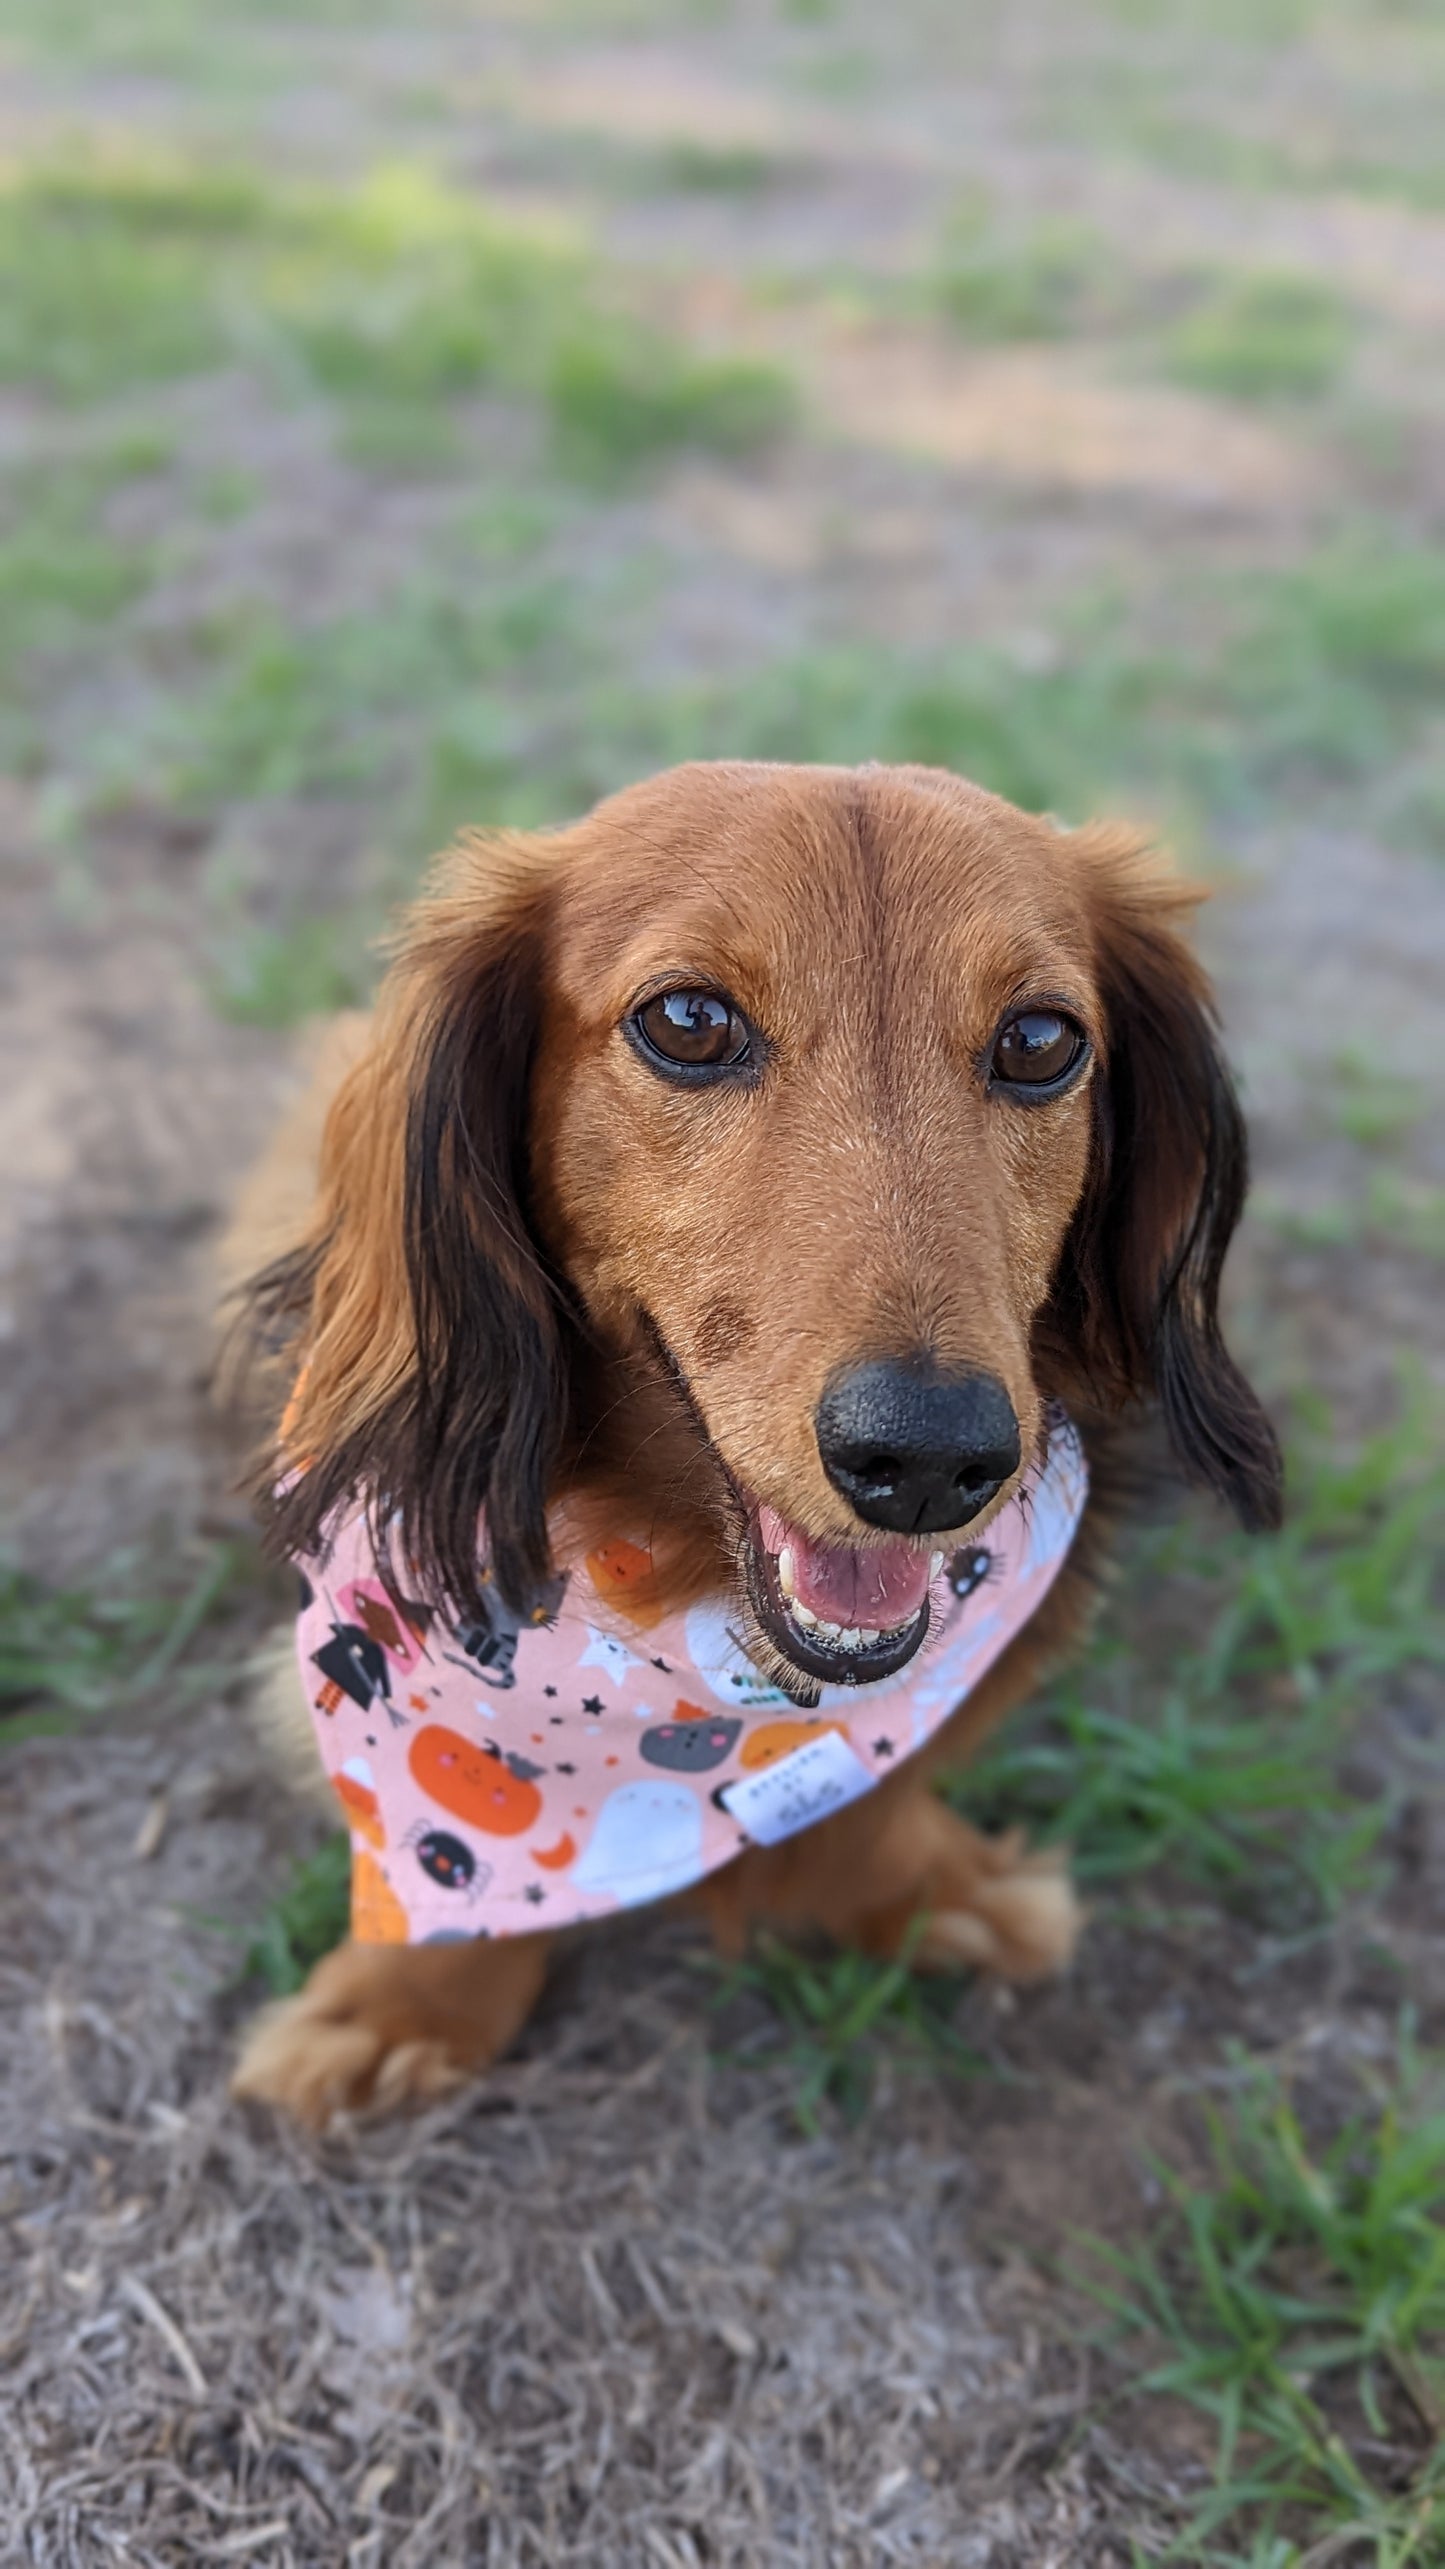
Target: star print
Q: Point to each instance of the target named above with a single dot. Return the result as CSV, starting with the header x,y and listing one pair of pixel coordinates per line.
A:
x,y
883,1748
565,1769
592,1704
549,1690
556,1720
662,1664
534,1892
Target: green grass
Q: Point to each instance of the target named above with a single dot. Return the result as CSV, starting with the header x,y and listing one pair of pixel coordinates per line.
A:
x,y
395,298
64,573
618,399
486,687
1371,1103
1300,678
993,283
1218,1754
107,282
838,2020
417,698
68,1654
307,1917
1295,2295
1322,159
274,976
1387,1211
1263,337
717,169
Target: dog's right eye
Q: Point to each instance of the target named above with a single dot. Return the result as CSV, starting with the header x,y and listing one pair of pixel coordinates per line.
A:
x,y
693,1030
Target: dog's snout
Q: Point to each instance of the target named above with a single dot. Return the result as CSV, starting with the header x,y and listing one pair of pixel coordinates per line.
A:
x,y
913,1448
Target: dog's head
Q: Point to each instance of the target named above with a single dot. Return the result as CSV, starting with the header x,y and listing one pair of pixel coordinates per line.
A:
x,y
772,1146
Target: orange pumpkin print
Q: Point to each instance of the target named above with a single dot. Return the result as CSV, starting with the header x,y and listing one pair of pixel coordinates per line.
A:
x,y
471,1783
377,1916
622,1574
772,1740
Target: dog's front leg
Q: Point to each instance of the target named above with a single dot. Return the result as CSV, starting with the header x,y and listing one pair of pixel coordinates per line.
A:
x,y
381,2026
900,1874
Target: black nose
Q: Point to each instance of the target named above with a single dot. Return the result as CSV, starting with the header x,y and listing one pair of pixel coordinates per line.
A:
x,y
913,1448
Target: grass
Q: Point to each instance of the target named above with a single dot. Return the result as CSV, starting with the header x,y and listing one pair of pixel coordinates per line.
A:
x,y
1319,673
991,283
1372,1104
390,304
107,282
64,573
68,1654
1320,158
618,400
1295,2296
273,976
307,1917
485,686
1225,1768
836,2020
717,169
395,298
1388,1211
428,701
1263,337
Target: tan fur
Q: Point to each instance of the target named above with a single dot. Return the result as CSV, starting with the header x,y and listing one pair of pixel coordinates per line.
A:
x,y
872,1195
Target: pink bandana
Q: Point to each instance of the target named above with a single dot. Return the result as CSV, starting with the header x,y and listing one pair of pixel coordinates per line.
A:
x,y
506,1777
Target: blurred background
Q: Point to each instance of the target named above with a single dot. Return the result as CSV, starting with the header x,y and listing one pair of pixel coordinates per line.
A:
x,y
421,414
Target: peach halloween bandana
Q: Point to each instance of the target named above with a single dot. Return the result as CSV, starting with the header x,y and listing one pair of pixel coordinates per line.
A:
x,y
502,1777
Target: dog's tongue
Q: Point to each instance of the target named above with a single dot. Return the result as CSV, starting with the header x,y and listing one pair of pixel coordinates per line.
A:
x,y
883,1586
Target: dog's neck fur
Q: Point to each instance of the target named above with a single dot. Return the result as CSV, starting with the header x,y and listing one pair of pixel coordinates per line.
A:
x,y
640,1455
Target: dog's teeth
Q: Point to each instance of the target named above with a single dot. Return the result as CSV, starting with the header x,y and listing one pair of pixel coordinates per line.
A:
x,y
867,1636
786,1569
935,1564
830,1632
803,1615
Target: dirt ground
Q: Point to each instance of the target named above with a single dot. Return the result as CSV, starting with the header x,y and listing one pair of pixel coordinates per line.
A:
x,y
613,2309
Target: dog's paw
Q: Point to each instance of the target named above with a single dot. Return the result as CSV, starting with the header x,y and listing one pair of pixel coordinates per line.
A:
x,y
1017,1914
316,2063
379,2028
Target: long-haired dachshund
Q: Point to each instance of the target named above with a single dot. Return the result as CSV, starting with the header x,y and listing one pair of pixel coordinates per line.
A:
x,y
736,1229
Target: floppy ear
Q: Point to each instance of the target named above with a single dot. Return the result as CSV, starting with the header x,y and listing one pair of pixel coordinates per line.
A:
x,y
1136,1300
429,1337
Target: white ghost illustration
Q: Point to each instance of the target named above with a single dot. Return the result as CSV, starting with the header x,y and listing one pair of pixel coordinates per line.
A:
x,y
647,1841
606,1652
724,1666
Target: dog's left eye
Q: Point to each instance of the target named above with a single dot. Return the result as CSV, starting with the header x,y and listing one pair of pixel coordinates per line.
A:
x,y
1037,1049
694,1030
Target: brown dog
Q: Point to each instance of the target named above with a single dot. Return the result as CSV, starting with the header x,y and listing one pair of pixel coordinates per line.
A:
x,y
767,1151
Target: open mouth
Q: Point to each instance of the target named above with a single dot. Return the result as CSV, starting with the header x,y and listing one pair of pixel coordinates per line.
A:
x,y
842,1614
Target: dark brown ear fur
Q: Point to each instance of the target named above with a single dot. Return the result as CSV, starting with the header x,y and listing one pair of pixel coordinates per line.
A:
x,y
1135,1307
432,1344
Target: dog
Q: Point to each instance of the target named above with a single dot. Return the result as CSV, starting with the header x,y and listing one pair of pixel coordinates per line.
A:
x,y
738,1233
